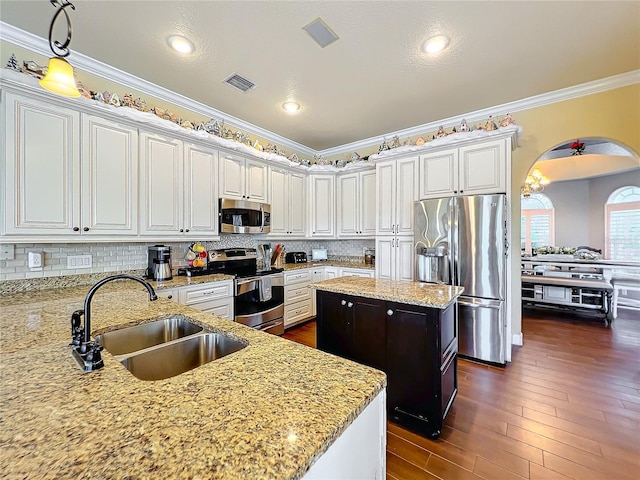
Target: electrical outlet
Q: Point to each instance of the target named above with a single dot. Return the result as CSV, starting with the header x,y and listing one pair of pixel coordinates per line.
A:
x,y
7,251
35,260
79,261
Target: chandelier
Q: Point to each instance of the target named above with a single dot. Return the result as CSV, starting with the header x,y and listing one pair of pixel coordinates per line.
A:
x,y
59,78
534,183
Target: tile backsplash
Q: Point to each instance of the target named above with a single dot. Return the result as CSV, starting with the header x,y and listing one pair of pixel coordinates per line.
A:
x,y
118,257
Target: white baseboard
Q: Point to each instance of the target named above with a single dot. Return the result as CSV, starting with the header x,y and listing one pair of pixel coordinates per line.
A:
x,y
516,339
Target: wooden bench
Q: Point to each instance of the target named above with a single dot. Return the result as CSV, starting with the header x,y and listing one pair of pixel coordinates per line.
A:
x,y
601,286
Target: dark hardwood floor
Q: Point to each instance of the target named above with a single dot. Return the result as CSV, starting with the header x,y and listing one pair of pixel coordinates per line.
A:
x,y
566,407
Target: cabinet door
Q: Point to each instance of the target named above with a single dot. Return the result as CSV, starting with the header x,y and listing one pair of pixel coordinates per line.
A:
x,y
334,329
368,203
279,201
42,176
297,204
348,205
256,176
161,180
317,275
330,273
438,174
232,180
201,193
404,258
109,177
385,257
322,205
483,168
385,198
369,331
406,195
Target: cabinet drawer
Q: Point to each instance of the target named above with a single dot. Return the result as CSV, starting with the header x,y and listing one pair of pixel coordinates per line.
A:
x,y
296,293
220,308
357,272
296,312
297,277
206,292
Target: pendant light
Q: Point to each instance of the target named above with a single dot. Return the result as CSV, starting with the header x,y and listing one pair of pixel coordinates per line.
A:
x,y
59,78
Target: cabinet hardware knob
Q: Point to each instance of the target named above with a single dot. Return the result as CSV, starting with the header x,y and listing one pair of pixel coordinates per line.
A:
x,y
350,304
455,191
169,297
461,191
343,302
181,230
85,229
187,230
389,312
76,229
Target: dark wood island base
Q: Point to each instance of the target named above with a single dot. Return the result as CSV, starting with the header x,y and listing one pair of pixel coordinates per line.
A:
x,y
416,346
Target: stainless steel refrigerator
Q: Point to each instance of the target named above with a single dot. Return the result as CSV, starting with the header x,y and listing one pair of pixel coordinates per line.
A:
x,y
463,241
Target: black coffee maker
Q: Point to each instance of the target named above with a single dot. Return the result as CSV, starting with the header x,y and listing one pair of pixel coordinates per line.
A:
x,y
159,263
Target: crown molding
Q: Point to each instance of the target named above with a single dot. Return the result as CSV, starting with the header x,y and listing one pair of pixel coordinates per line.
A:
x,y
39,45
589,88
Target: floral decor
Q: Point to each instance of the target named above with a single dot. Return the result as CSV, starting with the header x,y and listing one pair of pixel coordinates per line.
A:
x,y
577,147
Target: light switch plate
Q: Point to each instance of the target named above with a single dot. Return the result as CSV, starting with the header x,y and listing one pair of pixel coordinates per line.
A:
x,y
7,251
79,261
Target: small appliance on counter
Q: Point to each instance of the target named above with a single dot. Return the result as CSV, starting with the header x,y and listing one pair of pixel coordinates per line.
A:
x,y
295,257
370,256
319,254
159,263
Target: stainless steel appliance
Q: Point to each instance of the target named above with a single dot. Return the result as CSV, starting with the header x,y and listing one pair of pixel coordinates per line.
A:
x,y
295,257
159,263
242,216
463,241
259,292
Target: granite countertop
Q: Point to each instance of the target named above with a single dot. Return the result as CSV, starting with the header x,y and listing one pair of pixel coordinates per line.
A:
x,y
580,261
328,263
401,291
265,412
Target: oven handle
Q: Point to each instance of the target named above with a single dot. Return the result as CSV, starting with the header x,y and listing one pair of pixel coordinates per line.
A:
x,y
267,326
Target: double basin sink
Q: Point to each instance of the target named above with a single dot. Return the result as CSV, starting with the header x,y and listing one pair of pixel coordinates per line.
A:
x,y
166,347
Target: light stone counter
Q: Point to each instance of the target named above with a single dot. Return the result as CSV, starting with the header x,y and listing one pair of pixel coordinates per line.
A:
x,y
265,412
328,263
412,293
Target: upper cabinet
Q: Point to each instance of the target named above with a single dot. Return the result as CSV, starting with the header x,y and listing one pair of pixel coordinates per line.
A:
x,y
243,178
396,193
356,204
322,205
288,202
178,187
45,164
473,169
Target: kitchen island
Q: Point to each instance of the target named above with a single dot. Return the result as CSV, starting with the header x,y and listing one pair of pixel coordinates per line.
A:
x,y
408,330
273,410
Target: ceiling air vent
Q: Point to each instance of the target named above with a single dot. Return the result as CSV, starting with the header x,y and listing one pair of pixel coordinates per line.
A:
x,y
321,32
239,82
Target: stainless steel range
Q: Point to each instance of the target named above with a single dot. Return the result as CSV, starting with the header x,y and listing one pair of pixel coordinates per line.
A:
x,y
259,293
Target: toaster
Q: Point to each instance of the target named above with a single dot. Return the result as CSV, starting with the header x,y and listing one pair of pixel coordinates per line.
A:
x,y
295,257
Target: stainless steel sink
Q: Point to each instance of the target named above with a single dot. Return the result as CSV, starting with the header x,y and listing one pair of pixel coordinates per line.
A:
x,y
140,337
180,356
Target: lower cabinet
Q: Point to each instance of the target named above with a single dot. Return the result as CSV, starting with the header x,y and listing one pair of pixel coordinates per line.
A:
x,y
297,297
415,346
215,298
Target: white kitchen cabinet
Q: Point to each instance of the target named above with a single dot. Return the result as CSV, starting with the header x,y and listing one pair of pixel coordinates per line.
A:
x,y
322,206
356,204
297,296
331,273
178,187
288,202
317,275
168,294
243,178
46,165
396,190
357,272
213,297
478,168
395,257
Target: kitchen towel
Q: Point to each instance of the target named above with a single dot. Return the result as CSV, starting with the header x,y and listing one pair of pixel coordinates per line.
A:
x,y
264,290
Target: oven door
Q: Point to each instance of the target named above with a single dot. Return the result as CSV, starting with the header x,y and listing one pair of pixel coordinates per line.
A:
x,y
259,302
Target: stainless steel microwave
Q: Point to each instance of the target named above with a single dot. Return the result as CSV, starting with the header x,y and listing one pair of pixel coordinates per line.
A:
x,y
242,216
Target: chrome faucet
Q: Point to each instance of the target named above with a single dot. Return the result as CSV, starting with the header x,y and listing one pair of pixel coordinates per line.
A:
x,y
85,351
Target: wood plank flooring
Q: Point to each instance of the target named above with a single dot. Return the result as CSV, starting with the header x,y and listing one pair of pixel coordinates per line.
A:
x,y
566,407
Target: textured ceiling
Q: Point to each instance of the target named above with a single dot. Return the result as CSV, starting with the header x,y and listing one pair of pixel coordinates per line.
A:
x,y
374,79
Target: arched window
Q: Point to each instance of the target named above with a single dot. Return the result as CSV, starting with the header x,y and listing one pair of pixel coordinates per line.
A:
x,y
537,224
622,224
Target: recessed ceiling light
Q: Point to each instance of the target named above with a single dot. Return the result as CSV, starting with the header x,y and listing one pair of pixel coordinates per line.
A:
x,y
180,44
291,107
435,44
